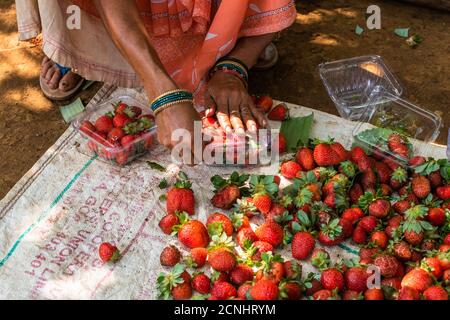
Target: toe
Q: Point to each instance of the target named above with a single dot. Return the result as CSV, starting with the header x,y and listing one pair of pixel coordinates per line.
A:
x,y
69,81
54,81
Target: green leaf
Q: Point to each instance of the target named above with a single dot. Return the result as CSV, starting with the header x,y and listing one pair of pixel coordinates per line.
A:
x,y
163,184
297,131
402,32
156,166
162,198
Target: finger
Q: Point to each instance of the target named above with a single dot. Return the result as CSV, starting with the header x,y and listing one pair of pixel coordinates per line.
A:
x,y
248,119
210,105
235,116
222,114
257,114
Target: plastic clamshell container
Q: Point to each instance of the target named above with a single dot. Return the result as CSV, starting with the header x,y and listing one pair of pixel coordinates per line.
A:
x,y
116,155
350,83
388,111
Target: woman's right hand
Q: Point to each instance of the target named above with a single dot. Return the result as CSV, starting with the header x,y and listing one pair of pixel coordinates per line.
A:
x,y
179,116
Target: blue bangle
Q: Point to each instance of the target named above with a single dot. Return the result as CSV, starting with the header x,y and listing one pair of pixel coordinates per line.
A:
x,y
170,98
224,65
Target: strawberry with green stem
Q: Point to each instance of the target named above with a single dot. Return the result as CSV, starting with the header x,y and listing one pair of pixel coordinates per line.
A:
x,y
320,259
376,205
174,284
271,267
399,177
414,227
227,191
332,233
191,233
181,197
221,253
263,189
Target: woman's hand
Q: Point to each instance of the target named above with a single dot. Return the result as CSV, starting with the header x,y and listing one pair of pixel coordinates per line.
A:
x,y
180,116
227,96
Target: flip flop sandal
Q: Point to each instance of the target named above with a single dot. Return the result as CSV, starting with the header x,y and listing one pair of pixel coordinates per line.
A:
x,y
57,94
268,58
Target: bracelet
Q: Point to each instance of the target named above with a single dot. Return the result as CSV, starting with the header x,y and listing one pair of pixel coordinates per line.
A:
x,y
228,58
171,97
168,105
236,74
231,66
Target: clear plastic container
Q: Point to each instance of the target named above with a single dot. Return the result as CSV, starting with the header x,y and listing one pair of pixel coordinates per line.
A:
x,y
350,83
414,125
116,154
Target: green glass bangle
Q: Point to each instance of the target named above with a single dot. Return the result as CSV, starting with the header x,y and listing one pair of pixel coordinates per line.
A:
x,y
170,97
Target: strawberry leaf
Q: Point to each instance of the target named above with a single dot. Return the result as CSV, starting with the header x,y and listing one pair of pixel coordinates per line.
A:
x,y
297,131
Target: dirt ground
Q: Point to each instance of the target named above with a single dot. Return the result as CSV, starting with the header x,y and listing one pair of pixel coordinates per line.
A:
x,y
323,31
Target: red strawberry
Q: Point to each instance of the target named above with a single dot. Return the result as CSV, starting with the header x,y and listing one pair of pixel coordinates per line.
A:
x,y
332,279
402,251
388,265
355,193
127,140
292,269
340,151
417,279
279,113
443,192
368,223
170,256
168,222
380,208
323,294
368,180
277,180
356,154
223,290
182,291
325,156
290,169
262,202
397,145
108,252
302,245
383,171
216,219
416,161
241,274
115,134
320,259
433,266
192,233
435,179
414,238
435,293
87,127
380,239
270,232
265,103
244,290
198,257
282,143
352,214
407,293
201,283
104,124
368,254
226,197
181,197
291,291
264,290
436,216
261,247
120,108
395,283
374,294
222,259
356,279
421,186
347,227
246,235
120,120
359,235
446,239
401,206
331,234
305,158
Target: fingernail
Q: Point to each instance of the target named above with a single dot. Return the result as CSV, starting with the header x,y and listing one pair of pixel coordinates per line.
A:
x,y
240,131
228,130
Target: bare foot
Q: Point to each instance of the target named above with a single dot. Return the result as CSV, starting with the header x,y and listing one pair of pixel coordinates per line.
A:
x,y
52,76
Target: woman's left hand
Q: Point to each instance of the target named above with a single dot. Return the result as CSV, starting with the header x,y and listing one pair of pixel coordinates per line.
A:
x,y
227,96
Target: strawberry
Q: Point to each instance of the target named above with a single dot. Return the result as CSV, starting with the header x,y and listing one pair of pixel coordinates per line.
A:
x,y
364,164
444,256
401,206
368,223
356,279
146,121
332,279
115,135
270,232
302,245
435,293
340,151
331,234
201,283
108,252
436,216
197,259
374,294
265,103
398,178
417,279
352,214
87,127
446,239
170,256
264,290
414,238
241,274
218,223
416,161
261,247
243,290
368,180
246,235
127,140
227,191
421,186
355,193
320,259
352,295
394,283
176,283
120,120
263,202
402,251
383,171
290,169
279,113
407,293
435,179
368,254
325,156
433,266
104,124
388,265
347,227
282,143
222,259
290,290
191,233
323,294
305,158
181,197
223,290
136,111
168,222
380,239
443,192
377,207
120,108
397,144
359,235
292,270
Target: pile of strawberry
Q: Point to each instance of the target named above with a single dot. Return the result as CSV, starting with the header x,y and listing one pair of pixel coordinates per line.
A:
x,y
120,135
399,216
